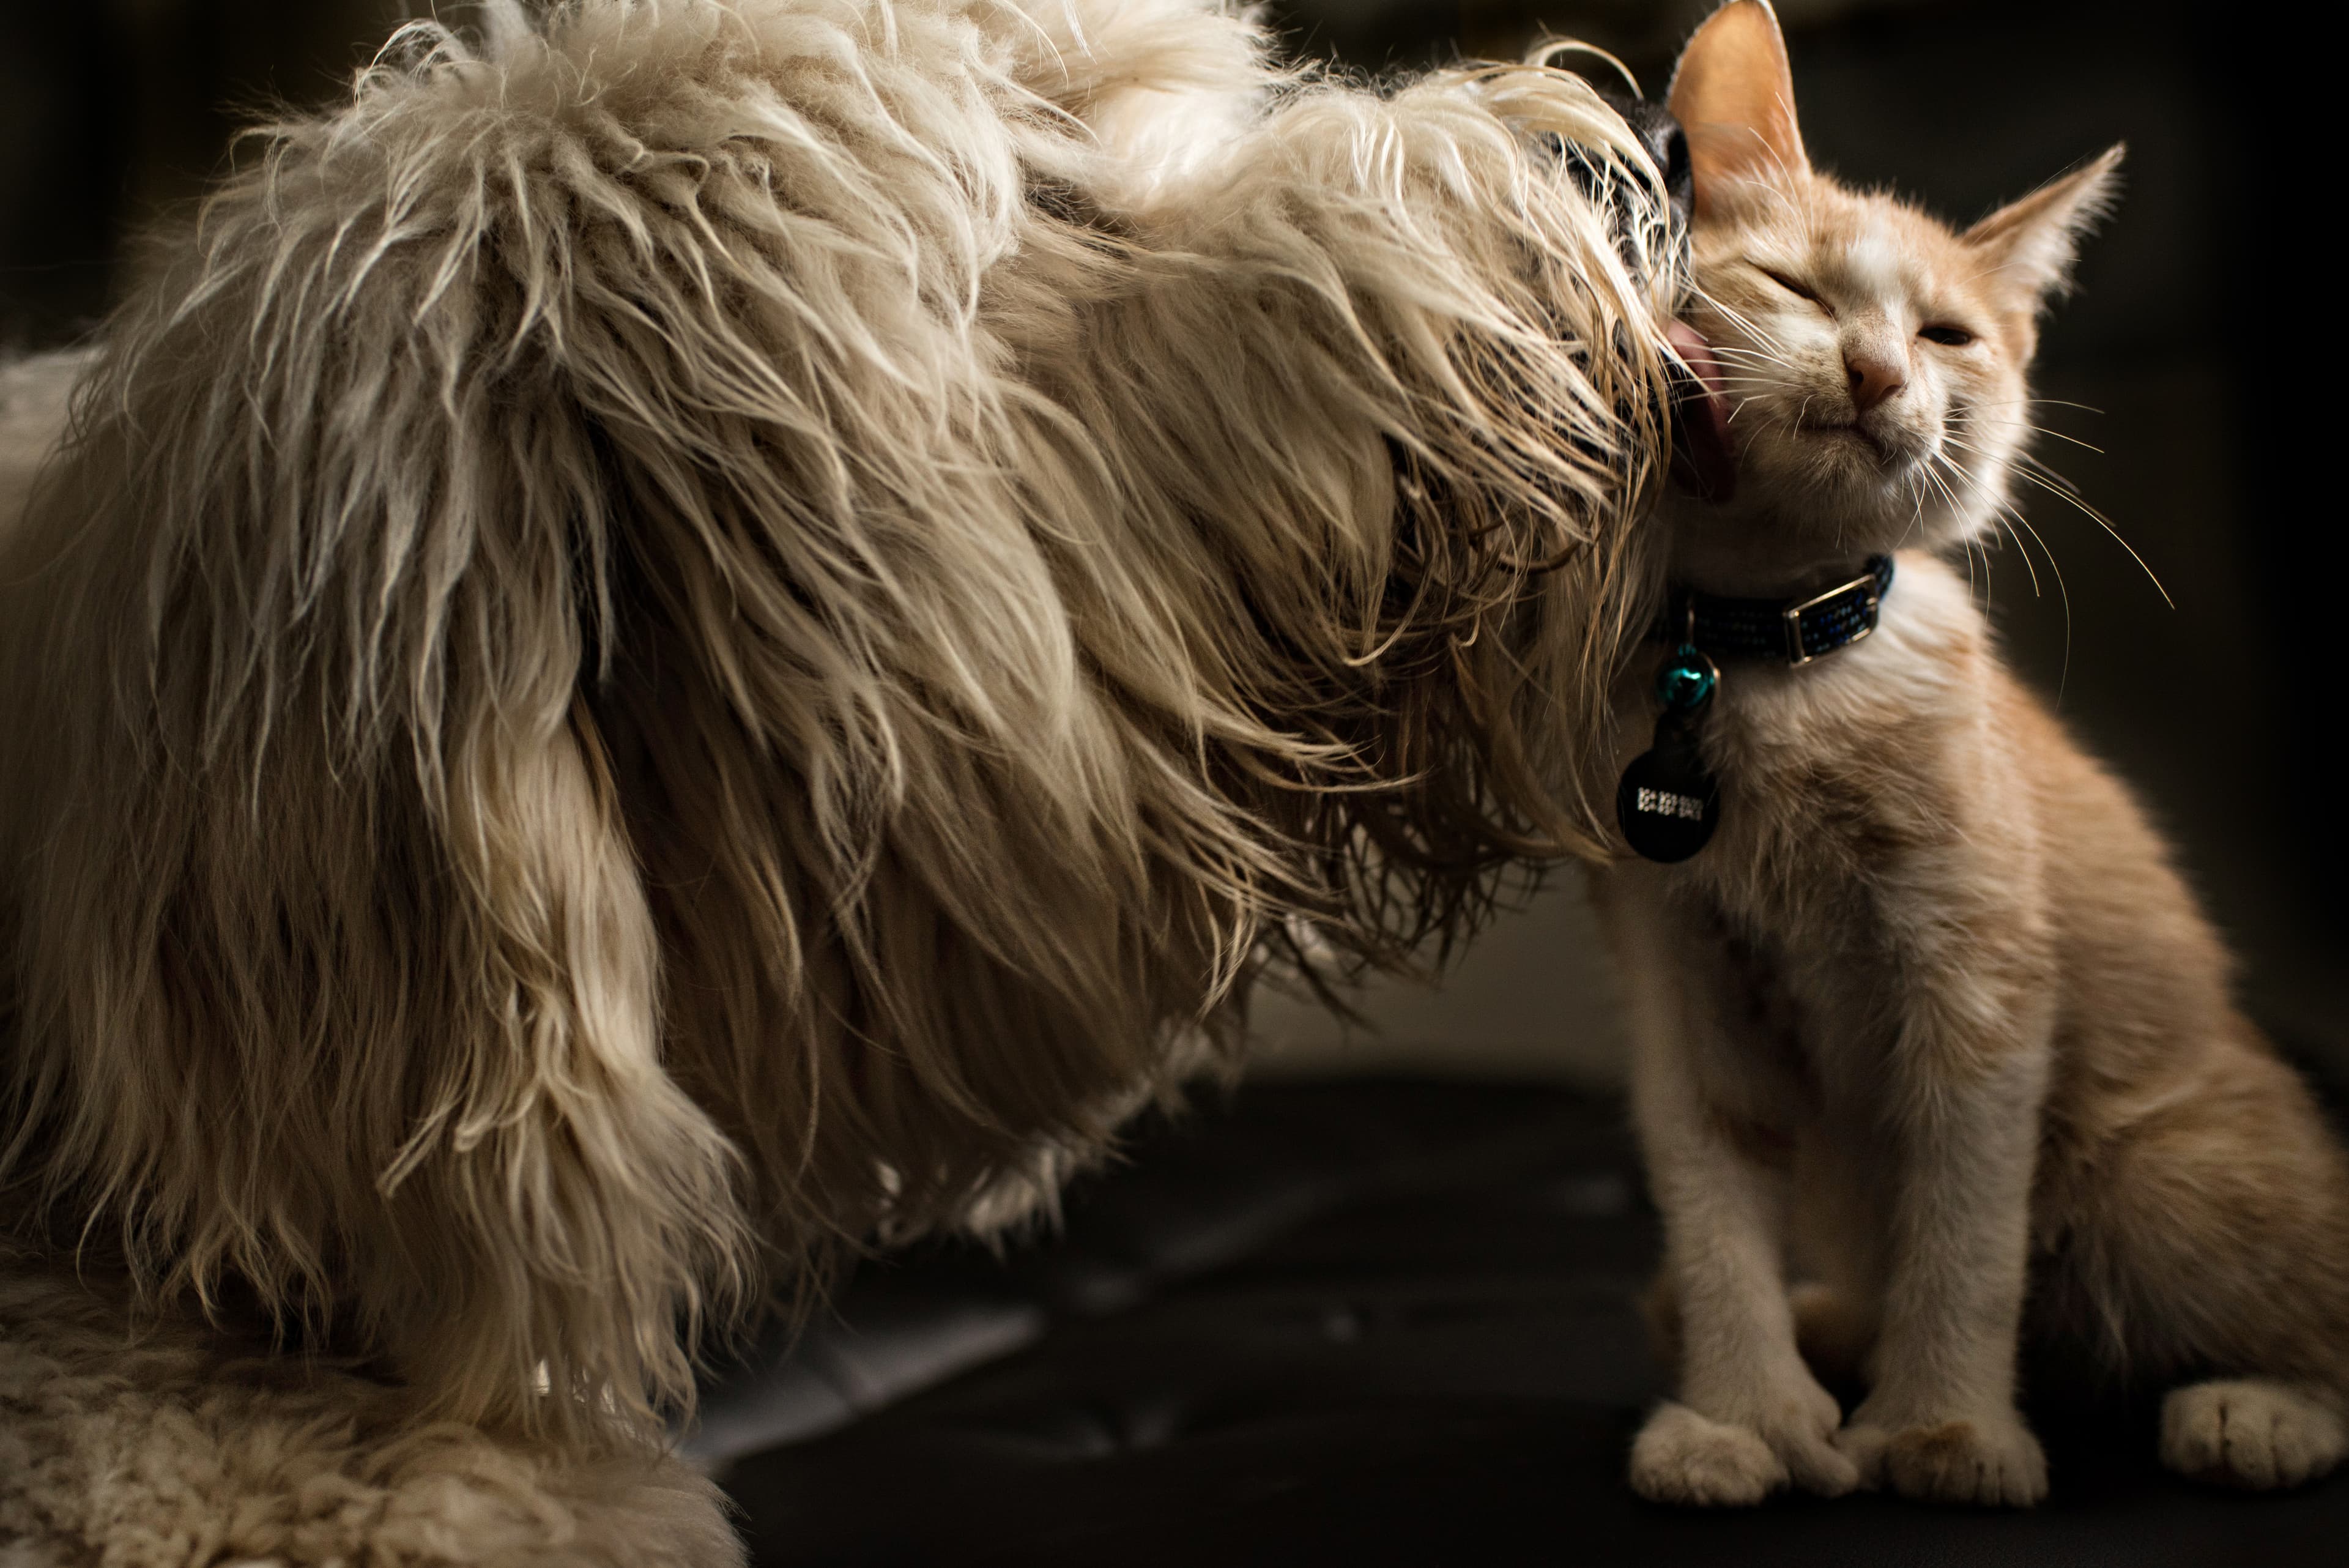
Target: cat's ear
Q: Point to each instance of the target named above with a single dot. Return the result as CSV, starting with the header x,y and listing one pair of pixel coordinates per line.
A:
x,y
2031,242
1734,96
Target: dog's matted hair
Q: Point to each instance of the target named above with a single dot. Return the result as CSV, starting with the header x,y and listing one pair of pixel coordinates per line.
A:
x,y
702,630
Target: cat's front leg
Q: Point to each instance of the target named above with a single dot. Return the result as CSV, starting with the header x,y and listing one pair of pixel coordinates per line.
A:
x,y
1939,1421
1751,1419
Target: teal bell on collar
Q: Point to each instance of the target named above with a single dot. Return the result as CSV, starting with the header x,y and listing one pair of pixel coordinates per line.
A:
x,y
1685,682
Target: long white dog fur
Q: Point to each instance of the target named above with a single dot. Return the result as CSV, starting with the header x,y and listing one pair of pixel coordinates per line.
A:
x,y
703,632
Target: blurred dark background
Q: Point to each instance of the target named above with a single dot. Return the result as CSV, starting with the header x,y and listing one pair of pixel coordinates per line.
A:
x,y
2194,336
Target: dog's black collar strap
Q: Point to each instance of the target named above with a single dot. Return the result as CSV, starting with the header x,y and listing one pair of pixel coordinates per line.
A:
x,y
1795,631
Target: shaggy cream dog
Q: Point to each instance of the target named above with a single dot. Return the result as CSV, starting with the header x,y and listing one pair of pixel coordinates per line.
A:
x,y
707,631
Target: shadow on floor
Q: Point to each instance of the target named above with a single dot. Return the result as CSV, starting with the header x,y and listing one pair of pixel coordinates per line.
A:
x,y
1350,1322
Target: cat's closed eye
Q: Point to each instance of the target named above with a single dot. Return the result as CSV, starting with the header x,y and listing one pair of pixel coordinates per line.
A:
x,y
1950,337
1800,291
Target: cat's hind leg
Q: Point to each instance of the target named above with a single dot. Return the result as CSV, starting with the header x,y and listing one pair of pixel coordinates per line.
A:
x,y
2210,1234
2252,1432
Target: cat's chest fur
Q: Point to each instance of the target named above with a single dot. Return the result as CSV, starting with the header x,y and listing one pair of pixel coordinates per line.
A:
x,y
1865,798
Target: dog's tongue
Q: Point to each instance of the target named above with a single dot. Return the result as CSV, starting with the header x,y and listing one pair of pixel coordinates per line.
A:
x,y
1702,459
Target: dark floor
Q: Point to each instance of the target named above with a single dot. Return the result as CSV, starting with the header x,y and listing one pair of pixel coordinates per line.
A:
x,y
1350,1322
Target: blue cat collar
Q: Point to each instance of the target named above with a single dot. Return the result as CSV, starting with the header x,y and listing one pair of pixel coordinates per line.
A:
x,y
1796,631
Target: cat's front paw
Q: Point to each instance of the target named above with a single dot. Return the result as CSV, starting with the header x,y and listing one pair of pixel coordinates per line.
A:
x,y
2251,1432
1687,1457
1993,1462
1680,1456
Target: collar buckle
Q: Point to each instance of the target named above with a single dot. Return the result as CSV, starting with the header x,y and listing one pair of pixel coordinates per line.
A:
x,y
1838,617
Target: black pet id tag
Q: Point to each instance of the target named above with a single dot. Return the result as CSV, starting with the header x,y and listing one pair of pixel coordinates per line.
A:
x,y
1667,804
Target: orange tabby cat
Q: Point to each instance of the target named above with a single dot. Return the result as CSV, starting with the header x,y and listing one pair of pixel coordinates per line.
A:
x,y
1931,1017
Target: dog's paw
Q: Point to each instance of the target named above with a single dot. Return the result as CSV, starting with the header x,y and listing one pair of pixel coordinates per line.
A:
x,y
1993,1463
1688,1458
2251,1433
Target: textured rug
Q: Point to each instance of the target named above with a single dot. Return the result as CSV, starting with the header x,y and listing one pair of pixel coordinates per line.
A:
x,y
174,1446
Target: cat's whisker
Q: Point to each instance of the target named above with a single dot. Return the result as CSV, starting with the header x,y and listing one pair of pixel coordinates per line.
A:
x,y
1998,519
1742,321
2059,435
1916,517
2043,403
1940,485
1740,402
2064,490
2010,518
1785,374
1970,419
2063,590
2047,473
1767,344
2029,568
1737,351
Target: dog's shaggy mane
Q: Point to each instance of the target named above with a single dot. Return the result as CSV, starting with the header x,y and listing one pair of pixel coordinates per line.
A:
x,y
693,633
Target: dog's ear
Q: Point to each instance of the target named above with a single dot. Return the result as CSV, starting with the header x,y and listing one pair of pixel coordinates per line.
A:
x,y
337,973
1733,93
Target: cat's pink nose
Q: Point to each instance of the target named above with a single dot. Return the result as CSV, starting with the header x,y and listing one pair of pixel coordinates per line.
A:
x,y
1876,377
